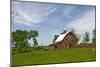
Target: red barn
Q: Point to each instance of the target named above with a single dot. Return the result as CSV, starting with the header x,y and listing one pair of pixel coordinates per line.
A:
x,y
65,40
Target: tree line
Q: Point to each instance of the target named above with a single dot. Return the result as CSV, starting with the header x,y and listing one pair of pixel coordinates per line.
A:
x,y
86,36
20,38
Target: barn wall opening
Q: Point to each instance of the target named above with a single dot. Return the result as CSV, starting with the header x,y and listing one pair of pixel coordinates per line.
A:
x,y
68,45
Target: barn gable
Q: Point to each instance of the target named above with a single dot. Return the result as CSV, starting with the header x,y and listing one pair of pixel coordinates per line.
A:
x,y
67,39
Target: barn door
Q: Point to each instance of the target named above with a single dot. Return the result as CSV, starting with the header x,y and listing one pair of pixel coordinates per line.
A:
x,y
68,45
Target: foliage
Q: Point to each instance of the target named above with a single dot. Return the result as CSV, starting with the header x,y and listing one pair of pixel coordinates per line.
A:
x,y
86,37
94,36
37,47
21,50
55,37
20,38
33,34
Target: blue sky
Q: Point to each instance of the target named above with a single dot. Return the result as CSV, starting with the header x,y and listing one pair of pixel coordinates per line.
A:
x,y
50,19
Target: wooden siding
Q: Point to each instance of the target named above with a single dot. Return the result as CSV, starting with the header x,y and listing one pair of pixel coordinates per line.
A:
x,y
69,41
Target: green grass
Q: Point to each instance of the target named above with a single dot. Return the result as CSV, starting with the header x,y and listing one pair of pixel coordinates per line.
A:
x,y
54,56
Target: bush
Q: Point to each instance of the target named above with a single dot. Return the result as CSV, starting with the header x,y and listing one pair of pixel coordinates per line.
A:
x,y
14,50
21,50
38,47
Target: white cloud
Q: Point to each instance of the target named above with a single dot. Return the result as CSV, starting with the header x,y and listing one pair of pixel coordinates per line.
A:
x,y
86,23
30,15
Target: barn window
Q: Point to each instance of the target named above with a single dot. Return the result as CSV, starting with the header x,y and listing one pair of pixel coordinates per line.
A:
x,y
68,45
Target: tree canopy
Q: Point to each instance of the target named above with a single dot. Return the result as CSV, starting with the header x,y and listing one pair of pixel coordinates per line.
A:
x,y
86,37
94,36
21,37
55,37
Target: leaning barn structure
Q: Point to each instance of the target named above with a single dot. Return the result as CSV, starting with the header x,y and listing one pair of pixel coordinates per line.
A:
x,y
65,40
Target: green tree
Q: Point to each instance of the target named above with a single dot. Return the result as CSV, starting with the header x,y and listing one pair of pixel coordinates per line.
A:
x,y
33,34
86,37
94,36
20,39
55,37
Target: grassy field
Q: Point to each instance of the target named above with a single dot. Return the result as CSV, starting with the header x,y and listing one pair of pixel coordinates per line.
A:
x,y
54,56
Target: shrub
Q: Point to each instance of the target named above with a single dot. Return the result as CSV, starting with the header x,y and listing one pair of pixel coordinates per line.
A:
x,y
38,47
14,50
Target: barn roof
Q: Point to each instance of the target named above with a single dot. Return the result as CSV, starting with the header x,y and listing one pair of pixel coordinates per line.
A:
x,y
61,37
